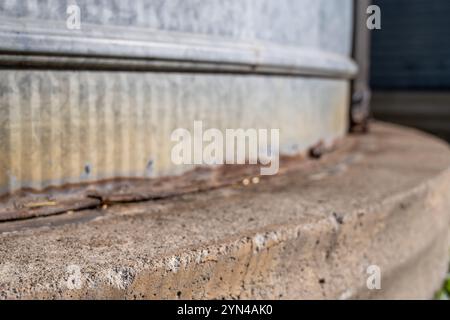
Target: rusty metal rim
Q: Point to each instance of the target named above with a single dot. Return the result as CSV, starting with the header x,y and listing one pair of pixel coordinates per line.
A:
x,y
29,204
26,205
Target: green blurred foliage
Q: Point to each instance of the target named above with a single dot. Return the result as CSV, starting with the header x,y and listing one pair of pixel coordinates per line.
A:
x,y
444,293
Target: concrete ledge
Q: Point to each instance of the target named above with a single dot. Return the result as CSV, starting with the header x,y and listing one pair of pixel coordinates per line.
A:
x,y
307,234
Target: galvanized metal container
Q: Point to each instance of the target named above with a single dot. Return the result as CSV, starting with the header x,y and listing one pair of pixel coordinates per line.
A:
x,y
101,102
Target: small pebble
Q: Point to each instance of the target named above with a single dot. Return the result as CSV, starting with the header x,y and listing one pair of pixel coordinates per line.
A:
x,y
255,180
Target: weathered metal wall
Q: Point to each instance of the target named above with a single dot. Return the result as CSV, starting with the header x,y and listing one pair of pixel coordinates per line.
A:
x,y
59,127
207,30
71,125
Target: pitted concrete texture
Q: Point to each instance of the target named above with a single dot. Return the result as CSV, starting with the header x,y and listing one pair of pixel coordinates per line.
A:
x,y
310,233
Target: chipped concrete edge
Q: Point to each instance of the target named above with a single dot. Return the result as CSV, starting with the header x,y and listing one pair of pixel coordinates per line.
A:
x,y
406,235
259,264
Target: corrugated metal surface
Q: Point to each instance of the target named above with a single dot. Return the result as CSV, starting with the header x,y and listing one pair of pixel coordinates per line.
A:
x,y
60,127
321,24
228,62
311,37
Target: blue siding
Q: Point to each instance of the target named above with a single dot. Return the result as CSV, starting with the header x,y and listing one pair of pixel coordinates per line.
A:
x,y
412,50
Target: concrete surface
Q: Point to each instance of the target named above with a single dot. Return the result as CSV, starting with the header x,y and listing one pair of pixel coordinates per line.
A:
x,y
381,199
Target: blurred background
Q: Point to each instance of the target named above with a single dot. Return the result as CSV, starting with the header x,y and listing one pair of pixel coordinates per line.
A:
x,y
410,65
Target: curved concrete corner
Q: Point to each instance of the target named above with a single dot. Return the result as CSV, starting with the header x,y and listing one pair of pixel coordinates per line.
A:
x,y
380,199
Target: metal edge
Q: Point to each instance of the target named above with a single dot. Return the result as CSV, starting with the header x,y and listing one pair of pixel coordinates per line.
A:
x,y
360,90
28,42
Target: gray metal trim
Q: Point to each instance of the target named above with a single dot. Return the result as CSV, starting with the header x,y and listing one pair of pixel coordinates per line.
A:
x,y
52,44
361,93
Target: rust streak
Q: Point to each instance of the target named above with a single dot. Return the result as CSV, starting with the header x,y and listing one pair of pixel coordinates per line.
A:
x,y
29,204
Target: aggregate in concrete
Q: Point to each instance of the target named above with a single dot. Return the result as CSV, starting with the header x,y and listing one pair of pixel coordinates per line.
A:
x,y
311,233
